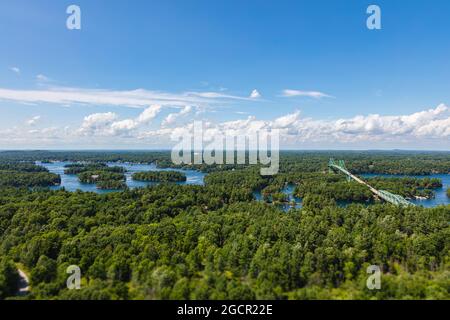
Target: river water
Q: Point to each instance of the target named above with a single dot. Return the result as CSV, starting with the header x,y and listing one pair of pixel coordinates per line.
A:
x,y
71,183
441,193
439,199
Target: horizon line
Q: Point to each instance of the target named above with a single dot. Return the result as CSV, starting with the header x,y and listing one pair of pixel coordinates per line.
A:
x,y
169,150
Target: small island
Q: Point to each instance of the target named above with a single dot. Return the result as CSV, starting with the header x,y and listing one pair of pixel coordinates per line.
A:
x,y
26,175
159,176
448,192
111,184
76,168
273,194
104,179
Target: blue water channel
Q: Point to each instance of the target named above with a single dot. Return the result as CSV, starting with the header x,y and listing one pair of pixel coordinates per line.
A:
x,y
71,183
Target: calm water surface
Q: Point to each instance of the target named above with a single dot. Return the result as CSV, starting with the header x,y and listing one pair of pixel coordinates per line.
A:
x,y
71,183
441,193
439,199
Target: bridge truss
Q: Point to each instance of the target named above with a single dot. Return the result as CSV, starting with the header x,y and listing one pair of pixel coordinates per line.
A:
x,y
387,196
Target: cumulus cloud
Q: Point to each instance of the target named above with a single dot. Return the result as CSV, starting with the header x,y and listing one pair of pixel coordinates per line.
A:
x,y
255,94
33,120
286,121
432,123
97,123
148,114
429,127
17,137
300,93
172,117
106,124
415,127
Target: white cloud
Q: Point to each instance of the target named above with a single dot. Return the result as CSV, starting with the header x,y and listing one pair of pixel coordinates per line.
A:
x,y
255,94
139,98
430,124
97,123
172,117
33,120
149,114
413,128
215,95
42,78
286,121
106,124
15,70
300,93
122,127
427,129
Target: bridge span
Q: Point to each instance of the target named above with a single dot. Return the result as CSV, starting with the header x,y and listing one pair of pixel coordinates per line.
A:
x,y
387,196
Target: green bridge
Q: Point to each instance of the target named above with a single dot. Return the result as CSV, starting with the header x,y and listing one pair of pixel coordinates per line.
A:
x,y
396,199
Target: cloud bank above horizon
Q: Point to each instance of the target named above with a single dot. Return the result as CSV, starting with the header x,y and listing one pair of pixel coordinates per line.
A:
x,y
152,129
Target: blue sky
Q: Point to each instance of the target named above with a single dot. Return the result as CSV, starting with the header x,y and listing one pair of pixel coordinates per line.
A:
x,y
206,57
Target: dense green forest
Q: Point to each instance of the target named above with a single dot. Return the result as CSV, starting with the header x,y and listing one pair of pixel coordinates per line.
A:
x,y
25,174
398,162
338,188
407,187
111,184
9,278
171,241
159,176
103,179
333,187
76,168
193,242
21,166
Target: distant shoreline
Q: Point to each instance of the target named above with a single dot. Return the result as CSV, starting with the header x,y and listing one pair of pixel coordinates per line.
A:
x,y
281,150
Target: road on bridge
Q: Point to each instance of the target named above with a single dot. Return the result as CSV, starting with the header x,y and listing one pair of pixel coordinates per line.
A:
x,y
381,194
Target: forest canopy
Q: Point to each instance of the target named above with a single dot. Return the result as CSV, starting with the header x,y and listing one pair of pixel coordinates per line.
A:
x,y
193,242
159,176
215,241
26,175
